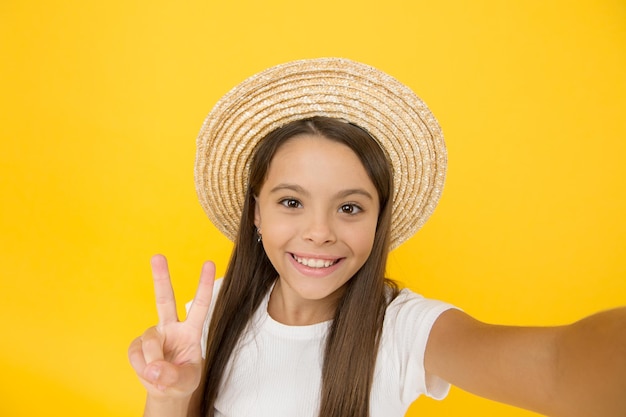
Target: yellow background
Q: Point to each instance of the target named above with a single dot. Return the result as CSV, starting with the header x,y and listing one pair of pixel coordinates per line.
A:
x,y
101,103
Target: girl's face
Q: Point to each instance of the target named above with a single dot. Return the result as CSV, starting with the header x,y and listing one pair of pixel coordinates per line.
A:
x,y
317,212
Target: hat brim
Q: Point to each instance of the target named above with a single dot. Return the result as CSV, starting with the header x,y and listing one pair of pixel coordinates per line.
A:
x,y
332,87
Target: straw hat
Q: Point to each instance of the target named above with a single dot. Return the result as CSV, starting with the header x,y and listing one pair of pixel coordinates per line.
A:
x,y
332,87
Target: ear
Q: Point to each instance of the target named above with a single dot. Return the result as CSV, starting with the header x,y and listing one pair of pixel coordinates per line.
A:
x,y
257,213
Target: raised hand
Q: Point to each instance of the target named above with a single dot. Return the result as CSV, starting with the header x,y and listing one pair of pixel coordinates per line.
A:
x,y
168,356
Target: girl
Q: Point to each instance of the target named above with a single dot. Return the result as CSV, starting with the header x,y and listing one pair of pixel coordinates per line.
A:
x,y
316,169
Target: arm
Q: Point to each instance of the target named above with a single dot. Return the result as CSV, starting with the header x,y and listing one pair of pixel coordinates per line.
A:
x,y
591,365
575,370
168,357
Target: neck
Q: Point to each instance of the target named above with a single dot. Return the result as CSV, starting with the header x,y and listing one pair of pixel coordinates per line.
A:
x,y
287,308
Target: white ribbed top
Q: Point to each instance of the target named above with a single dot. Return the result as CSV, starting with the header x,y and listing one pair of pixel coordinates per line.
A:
x,y
276,369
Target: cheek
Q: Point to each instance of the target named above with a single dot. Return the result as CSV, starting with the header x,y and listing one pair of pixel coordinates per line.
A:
x,y
362,238
277,229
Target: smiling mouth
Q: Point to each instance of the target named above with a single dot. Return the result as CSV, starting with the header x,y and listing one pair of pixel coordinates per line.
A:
x,y
314,262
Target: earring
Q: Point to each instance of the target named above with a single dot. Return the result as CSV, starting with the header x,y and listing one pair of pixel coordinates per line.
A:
x,y
259,237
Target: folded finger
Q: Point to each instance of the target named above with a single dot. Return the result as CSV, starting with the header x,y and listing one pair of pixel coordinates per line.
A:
x,y
135,356
164,294
166,376
152,346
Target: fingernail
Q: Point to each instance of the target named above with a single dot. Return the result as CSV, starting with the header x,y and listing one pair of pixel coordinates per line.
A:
x,y
153,373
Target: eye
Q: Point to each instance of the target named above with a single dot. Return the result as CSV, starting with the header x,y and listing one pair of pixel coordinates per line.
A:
x,y
350,208
291,203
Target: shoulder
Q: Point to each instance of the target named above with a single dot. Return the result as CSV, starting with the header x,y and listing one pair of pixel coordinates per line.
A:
x,y
415,307
408,322
216,287
409,318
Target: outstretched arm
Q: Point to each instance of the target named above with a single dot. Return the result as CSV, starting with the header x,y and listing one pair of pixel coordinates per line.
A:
x,y
577,370
168,357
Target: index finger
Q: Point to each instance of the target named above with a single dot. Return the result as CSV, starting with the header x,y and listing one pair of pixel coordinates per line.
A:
x,y
164,294
202,300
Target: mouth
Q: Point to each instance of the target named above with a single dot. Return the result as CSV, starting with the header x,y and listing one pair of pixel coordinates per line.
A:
x,y
316,263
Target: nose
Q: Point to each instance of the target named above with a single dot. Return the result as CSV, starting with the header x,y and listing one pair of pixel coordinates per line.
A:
x,y
319,229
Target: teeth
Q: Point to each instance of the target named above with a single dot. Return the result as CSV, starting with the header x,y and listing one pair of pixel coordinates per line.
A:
x,y
314,263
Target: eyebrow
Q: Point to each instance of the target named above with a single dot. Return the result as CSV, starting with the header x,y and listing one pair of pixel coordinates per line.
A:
x,y
341,194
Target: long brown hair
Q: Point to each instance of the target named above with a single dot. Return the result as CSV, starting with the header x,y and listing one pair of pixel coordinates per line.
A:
x,y
353,337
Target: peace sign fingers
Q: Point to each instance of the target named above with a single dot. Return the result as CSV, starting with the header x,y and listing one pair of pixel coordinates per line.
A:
x,y
202,300
164,294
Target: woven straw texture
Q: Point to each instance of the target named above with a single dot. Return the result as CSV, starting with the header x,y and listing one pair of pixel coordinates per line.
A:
x,y
332,87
